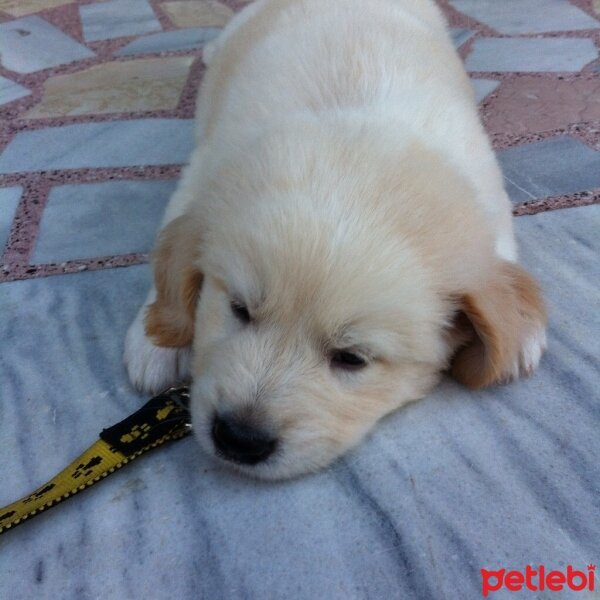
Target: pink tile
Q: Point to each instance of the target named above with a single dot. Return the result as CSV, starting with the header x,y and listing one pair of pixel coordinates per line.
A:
x,y
534,104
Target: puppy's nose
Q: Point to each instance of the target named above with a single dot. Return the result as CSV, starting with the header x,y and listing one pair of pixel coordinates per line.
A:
x,y
241,443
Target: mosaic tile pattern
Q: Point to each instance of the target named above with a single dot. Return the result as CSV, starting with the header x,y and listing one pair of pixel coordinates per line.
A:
x,y
527,55
554,167
484,87
170,41
136,85
460,36
539,104
32,44
106,144
99,219
9,90
117,18
89,156
515,17
202,13
20,8
9,198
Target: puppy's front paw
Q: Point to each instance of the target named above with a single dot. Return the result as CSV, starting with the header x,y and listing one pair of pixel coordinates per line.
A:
x,y
531,350
152,368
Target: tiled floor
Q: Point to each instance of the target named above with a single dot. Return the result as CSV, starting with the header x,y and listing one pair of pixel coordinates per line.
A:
x,y
96,102
533,55
9,91
31,44
198,14
128,86
116,19
559,165
99,219
517,17
170,41
107,143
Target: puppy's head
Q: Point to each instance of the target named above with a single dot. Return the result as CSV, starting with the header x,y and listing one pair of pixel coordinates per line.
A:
x,y
326,300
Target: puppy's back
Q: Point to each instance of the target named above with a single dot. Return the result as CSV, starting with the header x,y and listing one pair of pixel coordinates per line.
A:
x,y
278,58
382,63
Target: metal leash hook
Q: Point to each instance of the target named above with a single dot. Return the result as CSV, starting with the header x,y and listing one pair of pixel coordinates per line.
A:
x,y
181,396
163,418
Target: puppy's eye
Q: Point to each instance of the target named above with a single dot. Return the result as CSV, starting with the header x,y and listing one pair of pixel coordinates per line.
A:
x,y
347,360
240,311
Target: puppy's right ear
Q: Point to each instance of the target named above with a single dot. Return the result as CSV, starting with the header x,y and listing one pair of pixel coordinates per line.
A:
x,y
170,319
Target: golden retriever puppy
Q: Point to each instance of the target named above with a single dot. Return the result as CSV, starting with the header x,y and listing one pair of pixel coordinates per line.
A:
x,y
340,237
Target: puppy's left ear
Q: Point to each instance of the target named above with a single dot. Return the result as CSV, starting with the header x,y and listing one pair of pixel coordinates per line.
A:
x,y
170,319
508,321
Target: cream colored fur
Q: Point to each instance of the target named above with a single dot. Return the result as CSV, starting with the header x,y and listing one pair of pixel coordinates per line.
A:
x,y
343,189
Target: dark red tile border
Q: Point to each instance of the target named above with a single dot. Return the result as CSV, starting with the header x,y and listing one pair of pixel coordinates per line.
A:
x,y
557,203
22,271
21,238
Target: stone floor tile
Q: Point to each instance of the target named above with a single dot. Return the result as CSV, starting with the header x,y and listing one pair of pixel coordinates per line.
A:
x,y
596,6
10,90
32,44
201,13
531,104
561,249
100,219
117,18
183,39
106,144
519,54
20,8
136,85
9,199
553,167
489,478
483,87
526,16
67,332
460,36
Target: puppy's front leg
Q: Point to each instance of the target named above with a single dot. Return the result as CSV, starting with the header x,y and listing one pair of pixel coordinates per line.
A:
x,y
158,343
152,368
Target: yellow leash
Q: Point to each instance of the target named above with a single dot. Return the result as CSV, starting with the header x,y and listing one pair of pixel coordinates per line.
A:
x,y
164,418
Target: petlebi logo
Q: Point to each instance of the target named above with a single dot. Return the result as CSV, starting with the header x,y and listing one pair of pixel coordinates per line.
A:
x,y
539,579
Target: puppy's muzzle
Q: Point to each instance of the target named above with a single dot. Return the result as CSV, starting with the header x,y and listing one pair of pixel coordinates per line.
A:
x,y
241,443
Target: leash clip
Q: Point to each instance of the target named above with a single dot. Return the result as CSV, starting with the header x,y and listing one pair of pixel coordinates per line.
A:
x,y
181,396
